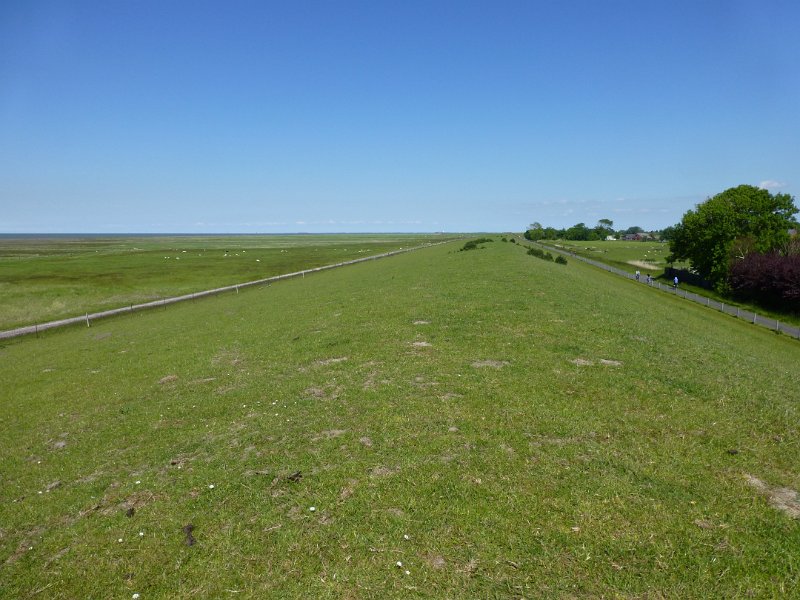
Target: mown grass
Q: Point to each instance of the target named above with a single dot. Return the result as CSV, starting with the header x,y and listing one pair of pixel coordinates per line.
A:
x,y
47,278
447,410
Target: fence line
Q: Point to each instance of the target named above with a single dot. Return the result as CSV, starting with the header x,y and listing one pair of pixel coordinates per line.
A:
x,y
734,311
163,302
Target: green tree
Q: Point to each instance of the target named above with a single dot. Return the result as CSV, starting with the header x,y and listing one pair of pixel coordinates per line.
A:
x,y
578,232
606,224
604,228
744,217
667,233
534,232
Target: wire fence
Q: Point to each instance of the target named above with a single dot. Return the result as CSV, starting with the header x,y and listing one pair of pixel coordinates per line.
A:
x,y
734,311
163,302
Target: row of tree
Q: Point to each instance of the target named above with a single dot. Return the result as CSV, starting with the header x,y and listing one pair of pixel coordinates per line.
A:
x,y
580,231
744,241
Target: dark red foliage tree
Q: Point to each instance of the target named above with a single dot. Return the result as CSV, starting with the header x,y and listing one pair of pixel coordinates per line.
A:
x,y
772,279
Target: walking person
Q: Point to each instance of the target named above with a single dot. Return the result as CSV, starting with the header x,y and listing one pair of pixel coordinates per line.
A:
x,y
675,283
637,274
649,279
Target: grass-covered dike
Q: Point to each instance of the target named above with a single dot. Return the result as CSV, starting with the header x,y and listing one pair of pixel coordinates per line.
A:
x,y
463,424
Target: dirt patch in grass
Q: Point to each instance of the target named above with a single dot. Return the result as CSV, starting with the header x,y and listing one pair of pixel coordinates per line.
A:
x,y
365,441
470,567
450,396
421,322
203,380
381,471
436,561
348,490
257,472
26,544
328,435
581,362
168,379
421,344
328,392
53,486
330,361
56,557
585,362
784,499
494,364
58,443
90,478
610,363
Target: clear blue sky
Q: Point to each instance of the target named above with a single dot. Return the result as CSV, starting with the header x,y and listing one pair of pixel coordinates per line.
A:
x,y
262,116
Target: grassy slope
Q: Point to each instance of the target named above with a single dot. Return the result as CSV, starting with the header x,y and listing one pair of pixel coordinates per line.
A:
x,y
43,279
535,478
622,254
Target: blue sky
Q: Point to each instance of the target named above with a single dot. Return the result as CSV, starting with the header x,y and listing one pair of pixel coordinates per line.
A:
x,y
346,116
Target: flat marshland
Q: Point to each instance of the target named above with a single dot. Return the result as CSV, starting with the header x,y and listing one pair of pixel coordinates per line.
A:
x,y
48,278
437,424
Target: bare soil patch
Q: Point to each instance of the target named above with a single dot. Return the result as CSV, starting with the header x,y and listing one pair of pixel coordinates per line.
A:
x,y
436,561
331,361
581,362
328,435
58,444
494,364
25,544
348,489
421,344
585,362
168,379
381,471
328,392
784,499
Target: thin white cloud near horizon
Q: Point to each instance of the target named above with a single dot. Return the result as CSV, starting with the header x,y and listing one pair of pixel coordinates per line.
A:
x,y
771,184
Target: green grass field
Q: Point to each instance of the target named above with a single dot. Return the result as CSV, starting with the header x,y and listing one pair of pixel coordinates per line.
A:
x,y
647,257
650,257
476,424
48,278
